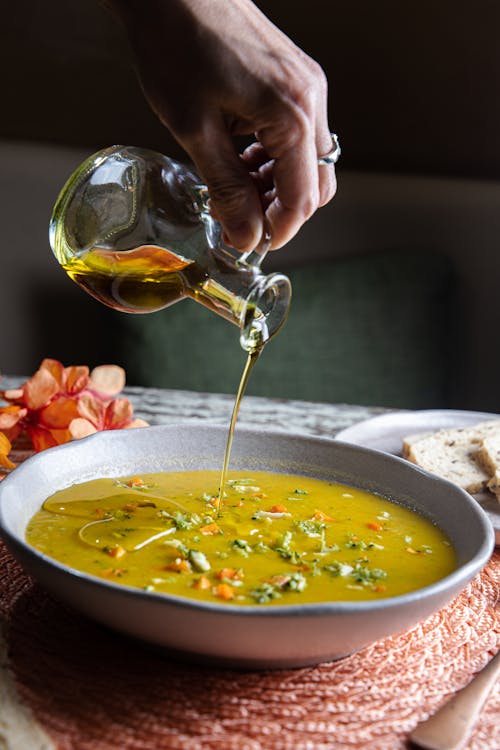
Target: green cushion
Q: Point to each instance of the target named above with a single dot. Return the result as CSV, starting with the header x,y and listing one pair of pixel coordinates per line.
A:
x,y
365,330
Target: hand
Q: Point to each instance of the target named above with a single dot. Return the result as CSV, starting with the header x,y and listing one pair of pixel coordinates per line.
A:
x,y
213,69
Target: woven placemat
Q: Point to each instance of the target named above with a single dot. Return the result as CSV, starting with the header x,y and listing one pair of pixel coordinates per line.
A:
x,y
69,684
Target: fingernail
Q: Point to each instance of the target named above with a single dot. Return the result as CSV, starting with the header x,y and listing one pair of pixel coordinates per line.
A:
x,y
238,235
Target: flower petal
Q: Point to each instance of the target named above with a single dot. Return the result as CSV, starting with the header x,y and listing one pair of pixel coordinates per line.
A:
x,y
59,413
76,378
61,436
10,416
107,379
91,409
118,414
40,389
80,428
55,368
41,438
14,394
5,448
136,423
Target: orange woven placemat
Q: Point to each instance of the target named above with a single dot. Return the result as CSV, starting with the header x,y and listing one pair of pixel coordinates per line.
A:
x,y
91,689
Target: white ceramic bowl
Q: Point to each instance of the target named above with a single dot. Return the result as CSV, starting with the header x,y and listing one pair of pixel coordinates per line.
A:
x,y
255,636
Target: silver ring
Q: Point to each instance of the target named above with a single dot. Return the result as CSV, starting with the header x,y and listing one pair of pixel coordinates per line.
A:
x,y
332,156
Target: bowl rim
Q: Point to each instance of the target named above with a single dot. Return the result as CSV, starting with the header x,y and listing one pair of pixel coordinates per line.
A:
x,y
454,580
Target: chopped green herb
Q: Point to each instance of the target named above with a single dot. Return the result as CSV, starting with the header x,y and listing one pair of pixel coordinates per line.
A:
x,y
265,593
260,547
337,568
184,521
284,540
293,557
296,582
354,543
365,575
325,548
242,547
121,515
311,528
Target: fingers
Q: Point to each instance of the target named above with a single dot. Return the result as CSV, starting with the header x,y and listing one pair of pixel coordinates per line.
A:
x,y
234,195
284,163
289,139
296,190
326,174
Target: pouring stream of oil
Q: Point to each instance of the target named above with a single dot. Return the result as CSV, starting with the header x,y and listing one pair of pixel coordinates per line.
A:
x,y
249,365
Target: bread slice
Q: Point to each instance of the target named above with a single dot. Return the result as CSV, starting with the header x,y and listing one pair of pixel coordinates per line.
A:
x,y
451,454
488,456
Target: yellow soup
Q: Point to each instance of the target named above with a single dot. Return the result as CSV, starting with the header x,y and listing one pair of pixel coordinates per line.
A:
x,y
281,539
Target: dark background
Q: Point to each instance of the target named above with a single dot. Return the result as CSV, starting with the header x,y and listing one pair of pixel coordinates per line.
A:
x,y
414,85
414,96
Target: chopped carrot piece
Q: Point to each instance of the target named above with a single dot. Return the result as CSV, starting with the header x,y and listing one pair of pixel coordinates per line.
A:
x,y
231,574
130,507
375,526
179,565
99,512
224,591
115,572
135,482
320,516
117,551
202,583
379,588
278,509
239,504
211,529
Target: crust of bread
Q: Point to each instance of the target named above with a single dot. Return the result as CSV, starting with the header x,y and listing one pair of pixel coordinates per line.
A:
x,y
488,456
410,440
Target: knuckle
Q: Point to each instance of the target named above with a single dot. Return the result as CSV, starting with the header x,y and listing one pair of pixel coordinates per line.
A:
x,y
287,131
308,84
229,194
318,75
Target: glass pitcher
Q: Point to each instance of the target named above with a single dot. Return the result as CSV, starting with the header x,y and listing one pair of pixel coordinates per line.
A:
x,y
132,227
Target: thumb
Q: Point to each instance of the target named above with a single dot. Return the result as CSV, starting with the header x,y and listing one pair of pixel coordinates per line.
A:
x,y
234,197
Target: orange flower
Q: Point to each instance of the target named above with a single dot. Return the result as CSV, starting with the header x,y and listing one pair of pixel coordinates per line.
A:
x,y
5,447
49,407
96,415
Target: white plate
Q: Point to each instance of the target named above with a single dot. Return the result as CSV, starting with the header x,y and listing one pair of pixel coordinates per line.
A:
x,y
386,433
